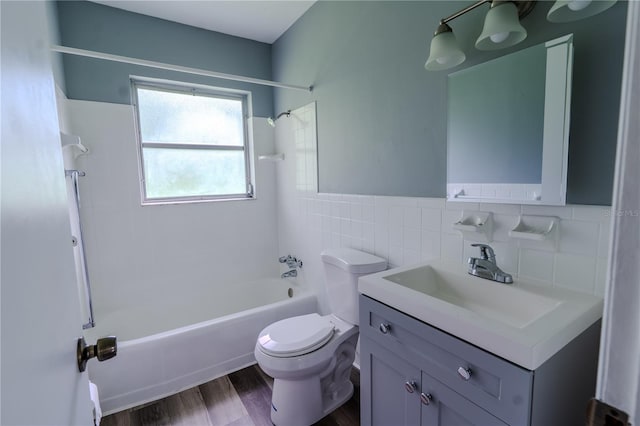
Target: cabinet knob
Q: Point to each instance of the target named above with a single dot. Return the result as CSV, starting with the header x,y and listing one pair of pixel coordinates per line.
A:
x,y
465,373
411,386
385,328
426,399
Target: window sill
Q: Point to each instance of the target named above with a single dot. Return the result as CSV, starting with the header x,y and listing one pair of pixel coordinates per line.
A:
x,y
162,202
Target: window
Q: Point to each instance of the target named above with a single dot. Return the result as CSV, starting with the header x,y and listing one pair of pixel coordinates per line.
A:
x,y
192,143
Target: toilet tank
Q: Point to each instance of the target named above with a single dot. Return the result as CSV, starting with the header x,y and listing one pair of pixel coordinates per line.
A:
x,y
342,268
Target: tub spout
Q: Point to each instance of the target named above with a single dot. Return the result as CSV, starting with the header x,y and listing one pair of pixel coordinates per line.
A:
x,y
291,273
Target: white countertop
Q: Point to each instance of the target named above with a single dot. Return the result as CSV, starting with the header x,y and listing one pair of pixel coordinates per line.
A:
x,y
527,344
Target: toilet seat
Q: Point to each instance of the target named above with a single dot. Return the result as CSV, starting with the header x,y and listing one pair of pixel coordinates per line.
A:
x,y
296,336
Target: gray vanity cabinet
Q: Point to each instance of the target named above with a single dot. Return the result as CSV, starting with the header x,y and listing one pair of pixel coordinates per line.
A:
x,y
401,395
393,385
446,407
415,374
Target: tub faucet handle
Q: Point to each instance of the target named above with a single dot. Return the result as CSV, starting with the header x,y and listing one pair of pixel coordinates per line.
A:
x,y
294,262
291,261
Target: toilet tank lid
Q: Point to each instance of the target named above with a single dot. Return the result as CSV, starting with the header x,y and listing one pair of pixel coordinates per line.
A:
x,y
353,261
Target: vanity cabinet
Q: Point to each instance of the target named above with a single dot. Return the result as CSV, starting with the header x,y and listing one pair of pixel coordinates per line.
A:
x,y
415,374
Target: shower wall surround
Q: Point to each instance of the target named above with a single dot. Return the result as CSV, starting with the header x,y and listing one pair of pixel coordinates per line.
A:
x,y
138,255
407,230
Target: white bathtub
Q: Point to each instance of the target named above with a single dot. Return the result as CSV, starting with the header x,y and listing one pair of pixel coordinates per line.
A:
x,y
163,350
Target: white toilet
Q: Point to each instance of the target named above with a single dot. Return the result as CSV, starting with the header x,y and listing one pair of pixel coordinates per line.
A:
x,y
310,356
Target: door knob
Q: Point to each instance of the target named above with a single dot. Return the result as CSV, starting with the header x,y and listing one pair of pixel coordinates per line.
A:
x,y
104,349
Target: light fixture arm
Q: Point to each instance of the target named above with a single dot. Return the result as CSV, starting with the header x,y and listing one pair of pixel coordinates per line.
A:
x,y
524,7
463,11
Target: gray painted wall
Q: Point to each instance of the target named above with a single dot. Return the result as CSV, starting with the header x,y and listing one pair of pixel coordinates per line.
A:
x,y
382,117
101,28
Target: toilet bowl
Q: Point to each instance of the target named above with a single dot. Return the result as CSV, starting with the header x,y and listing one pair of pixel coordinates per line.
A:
x,y
310,356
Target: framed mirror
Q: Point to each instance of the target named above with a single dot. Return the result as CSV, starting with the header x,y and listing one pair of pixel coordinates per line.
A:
x,y
508,127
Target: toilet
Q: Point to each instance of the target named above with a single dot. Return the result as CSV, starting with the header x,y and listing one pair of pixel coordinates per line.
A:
x,y
310,356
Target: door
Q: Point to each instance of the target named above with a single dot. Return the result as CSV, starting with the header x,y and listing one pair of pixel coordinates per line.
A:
x,y
390,384
619,368
40,308
443,406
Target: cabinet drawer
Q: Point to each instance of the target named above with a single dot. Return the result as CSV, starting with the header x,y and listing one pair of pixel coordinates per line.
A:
x,y
498,386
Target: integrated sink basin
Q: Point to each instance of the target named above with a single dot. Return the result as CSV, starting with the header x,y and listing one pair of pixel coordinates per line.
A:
x,y
510,305
521,322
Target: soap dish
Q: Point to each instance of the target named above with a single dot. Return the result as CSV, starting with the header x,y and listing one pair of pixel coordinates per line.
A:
x,y
536,228
476,226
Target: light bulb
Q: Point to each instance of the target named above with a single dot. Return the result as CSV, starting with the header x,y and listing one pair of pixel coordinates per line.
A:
x,y
499,37
577,5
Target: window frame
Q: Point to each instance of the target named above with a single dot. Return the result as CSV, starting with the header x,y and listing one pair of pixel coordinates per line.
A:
x,y
197,90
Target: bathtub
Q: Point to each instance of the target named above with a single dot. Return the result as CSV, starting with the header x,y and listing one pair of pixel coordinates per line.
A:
x,y
163,350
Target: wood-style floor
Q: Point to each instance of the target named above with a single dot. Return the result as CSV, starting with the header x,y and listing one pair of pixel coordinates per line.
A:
x,y
242,398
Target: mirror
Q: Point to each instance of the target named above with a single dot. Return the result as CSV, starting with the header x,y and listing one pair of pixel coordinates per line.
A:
x,y
508,127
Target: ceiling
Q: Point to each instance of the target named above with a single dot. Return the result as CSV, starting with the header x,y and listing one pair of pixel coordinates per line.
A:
x,y
260,20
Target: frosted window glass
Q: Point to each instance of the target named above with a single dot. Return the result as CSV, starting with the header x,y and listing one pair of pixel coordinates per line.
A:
x,y
192,143
193,172
170,117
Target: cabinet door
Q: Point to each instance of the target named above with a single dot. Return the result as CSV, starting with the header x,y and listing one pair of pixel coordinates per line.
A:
x,y
390,388
442,406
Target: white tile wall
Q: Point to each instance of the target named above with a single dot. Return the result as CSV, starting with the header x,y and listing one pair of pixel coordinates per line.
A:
x,y
138,255
407,230
406,234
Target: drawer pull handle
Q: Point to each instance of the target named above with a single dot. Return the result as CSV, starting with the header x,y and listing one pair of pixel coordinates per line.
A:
x,y
385,328
411,386
426,399
465,373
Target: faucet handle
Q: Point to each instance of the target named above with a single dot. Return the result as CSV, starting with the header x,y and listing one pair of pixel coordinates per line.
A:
x,y
291,261
486,252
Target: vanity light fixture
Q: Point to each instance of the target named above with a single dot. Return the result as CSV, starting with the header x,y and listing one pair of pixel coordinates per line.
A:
x,y
573,10
501,29
445,52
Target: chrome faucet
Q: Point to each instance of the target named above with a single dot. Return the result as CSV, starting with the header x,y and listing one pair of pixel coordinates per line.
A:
x,y
292,263
290,273
486,267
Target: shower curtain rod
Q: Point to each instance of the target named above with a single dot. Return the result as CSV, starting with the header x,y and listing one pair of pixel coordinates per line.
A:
x,y
171,67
